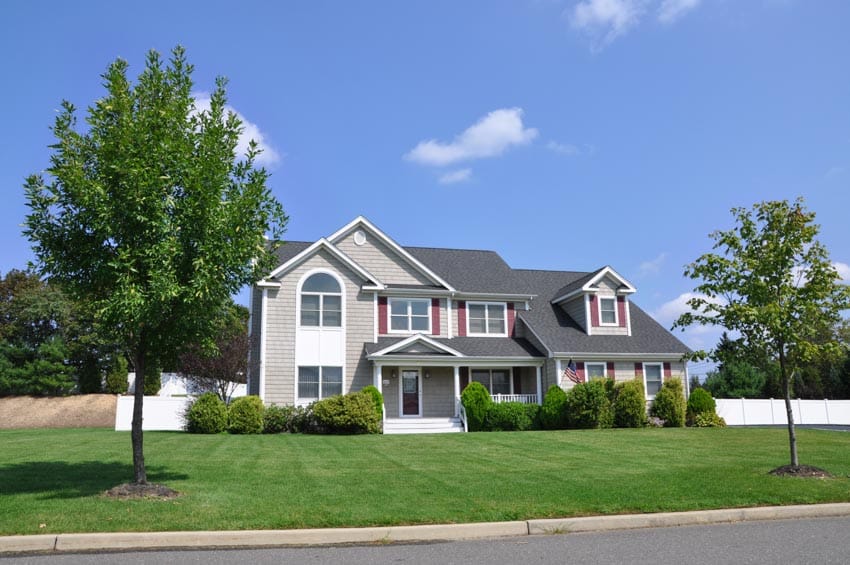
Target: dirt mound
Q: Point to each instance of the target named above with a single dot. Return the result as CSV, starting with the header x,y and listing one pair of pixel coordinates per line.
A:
x,y
82,411
800,471
133,490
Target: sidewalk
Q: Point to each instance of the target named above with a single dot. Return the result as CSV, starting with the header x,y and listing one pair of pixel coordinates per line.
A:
x,y
391,534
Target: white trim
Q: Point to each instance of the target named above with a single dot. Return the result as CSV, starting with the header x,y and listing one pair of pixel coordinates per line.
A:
x,y
487,305
263,323
377,377
558,373
626,303
375,320
589,285
328,246
493,296
588,320
449,320
587,371
342,304
362,221
448,361
688,381
304,401
643,370
456,376
539,384
594,356
599,299
419,385
409,315
416,338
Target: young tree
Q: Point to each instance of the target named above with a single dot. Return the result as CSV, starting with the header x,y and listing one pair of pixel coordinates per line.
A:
x,y
772,281
149,215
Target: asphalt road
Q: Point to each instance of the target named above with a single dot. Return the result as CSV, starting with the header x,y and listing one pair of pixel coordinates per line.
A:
x,y
822,541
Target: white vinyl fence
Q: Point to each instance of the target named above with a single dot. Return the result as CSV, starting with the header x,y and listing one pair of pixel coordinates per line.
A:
x,y
767,411
160,413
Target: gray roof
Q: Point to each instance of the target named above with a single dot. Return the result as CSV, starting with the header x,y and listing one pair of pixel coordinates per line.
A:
x,y
289,249
469,270
471,346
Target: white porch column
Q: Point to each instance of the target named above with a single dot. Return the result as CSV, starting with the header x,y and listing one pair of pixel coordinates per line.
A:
x,y
376,378
539,385
457,388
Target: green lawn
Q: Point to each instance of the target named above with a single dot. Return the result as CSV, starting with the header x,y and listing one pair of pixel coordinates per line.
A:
x,y
51,480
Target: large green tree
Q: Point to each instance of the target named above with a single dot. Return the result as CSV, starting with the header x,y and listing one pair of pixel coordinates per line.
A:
x,y
149,214
772,281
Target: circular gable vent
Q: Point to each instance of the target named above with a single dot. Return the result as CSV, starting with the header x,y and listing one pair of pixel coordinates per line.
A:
x,y
359,237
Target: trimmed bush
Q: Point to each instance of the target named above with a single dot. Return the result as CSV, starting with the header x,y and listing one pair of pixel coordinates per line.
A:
x,y
669,404
353,413
629,405
245,415
699,402
553,413
508,417
588,406
300,419
477,403
116,377
377,398
206,415
709,420
275,419
533,411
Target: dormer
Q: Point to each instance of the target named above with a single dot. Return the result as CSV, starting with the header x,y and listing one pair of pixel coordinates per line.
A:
x,y
598,302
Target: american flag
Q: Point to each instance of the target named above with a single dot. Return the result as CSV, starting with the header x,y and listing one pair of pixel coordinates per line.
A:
x,y
570,372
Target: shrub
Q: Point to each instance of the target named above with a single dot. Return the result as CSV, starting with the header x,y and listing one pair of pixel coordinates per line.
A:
x,y
116,377
669,404
553,413
275,419
709,420
353,413
245,415
533,411
206,415
300,419
699,402
629,405
377,398
477,403
508,417
588,405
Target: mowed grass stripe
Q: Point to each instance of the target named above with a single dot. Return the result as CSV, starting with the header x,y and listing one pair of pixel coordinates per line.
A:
x,y
51,480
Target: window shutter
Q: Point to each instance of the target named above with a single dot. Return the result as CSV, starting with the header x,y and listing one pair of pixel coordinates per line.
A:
x,y
668,371
435,316
580,371
638,370
382,314
594,311
461,318
621,310
610,369
511,319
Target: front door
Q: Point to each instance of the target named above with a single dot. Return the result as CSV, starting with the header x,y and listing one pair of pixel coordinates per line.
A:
x,y
410,392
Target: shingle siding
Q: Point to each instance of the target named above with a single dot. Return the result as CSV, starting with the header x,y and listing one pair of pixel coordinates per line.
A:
x,y
575,309
381,261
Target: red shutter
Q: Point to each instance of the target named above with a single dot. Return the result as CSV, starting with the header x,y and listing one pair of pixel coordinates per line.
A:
x,y
610,369
594,312
461,318
668,372
580,371
382,314
621,310
511,319
435,316
638,370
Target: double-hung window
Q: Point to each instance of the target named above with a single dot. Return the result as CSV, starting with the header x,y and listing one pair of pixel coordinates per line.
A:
x,y
608,311
487,318
652,377
319,382
496,381
321,302
410,315
595,370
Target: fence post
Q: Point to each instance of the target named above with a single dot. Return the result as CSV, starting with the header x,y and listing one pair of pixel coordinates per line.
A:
x,y
799,411
772,416
826,408
744,411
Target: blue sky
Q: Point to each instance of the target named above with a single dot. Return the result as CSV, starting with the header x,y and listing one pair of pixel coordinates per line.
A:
x,y
562,134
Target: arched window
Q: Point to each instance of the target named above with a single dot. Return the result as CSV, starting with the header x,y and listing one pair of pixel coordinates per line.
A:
x,y
321,302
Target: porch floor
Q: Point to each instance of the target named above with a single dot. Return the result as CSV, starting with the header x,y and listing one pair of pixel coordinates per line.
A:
x,y
422,425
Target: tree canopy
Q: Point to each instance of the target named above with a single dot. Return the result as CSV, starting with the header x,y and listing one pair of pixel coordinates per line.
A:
x,y
772,282
149,215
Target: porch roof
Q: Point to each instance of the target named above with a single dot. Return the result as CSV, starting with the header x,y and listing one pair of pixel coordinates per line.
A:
x,y
497,347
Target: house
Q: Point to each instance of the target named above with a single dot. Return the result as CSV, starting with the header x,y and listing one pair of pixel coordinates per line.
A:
x,y
356,309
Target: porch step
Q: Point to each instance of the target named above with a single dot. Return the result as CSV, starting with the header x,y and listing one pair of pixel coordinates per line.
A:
x,y
422,425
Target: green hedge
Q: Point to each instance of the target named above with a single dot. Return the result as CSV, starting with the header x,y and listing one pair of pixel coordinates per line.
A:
x,y
588,406
629,404
245,415
353,413
477,403
511,417
699,402
553,413
669,404
206,415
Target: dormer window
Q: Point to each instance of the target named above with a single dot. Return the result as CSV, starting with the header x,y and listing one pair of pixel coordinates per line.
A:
x,y
487,318
608,311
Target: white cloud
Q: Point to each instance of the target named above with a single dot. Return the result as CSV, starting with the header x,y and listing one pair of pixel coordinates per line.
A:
x,y
250,131
490,136
672,10
843,271
670,311
452,177
606,19
653,266
563,148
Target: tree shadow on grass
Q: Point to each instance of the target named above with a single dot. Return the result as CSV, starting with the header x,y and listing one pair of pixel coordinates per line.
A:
x,y
60,479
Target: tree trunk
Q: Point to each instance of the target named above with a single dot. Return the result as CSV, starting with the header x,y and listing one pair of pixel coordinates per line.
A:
x,y
786,389
139,474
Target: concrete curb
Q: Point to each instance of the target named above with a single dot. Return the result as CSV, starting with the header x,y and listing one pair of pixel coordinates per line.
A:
x,y
390,534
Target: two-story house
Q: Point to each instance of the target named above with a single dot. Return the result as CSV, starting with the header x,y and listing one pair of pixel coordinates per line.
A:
x,y
356,308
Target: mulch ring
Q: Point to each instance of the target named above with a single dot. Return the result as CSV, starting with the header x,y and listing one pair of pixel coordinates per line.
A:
x,y
129,491
801,471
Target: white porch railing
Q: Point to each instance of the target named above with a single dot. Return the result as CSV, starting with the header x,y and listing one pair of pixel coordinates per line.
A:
x,y
461,411
523,398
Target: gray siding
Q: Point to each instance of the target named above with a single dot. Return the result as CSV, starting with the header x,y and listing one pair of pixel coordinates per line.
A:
x,y
254,350
281,325
380,260
437,391
575,309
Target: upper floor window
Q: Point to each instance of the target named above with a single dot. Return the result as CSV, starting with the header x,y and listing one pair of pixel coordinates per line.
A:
x,y
410,315
608,311
321,301
487,318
